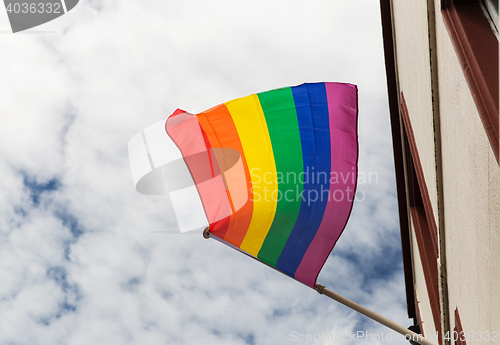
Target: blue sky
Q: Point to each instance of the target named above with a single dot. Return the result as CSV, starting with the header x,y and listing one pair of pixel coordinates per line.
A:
x,y
80,259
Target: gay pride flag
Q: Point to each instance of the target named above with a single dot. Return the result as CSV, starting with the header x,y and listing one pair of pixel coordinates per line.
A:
x,y
273,175
276,171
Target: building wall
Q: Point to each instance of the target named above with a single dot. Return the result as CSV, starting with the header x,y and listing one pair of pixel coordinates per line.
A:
x,y
471,175
411,43
471,197
410,27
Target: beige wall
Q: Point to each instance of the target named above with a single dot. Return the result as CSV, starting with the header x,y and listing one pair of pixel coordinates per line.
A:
x,y
471,194
471,198
414,77
411,41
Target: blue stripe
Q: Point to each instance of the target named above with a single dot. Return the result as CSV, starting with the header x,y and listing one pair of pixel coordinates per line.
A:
x,y
312,113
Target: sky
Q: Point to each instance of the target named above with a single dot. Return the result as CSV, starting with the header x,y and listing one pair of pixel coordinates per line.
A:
x,y
85,259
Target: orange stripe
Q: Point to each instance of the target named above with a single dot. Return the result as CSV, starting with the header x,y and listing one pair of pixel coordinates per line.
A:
x,y
221,132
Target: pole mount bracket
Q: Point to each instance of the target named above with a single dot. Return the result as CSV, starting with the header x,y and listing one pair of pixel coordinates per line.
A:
x,y
206,232
319,288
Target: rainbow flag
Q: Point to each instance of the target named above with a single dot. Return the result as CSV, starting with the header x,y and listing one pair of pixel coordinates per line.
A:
x,y
276,171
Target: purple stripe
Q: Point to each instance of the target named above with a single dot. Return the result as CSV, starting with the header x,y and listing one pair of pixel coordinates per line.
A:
x,y
343,111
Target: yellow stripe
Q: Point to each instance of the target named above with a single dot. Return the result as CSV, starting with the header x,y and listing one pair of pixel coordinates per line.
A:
x,y
252,129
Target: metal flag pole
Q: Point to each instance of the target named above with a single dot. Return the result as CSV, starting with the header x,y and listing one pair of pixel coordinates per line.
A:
x,y
410,335
418,338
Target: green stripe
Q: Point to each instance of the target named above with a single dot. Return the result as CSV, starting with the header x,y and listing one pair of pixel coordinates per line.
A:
x,y
281,117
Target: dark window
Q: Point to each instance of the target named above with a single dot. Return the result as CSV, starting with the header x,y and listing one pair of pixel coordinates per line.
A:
x,y
476,46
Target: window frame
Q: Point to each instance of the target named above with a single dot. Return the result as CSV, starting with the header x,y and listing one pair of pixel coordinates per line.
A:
x,y
476,46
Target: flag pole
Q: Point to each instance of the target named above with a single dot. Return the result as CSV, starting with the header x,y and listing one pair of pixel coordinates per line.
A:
x,y
418,338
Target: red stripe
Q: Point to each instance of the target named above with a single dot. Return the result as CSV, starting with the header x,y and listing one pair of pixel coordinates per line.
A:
x,y
186,132
221,131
